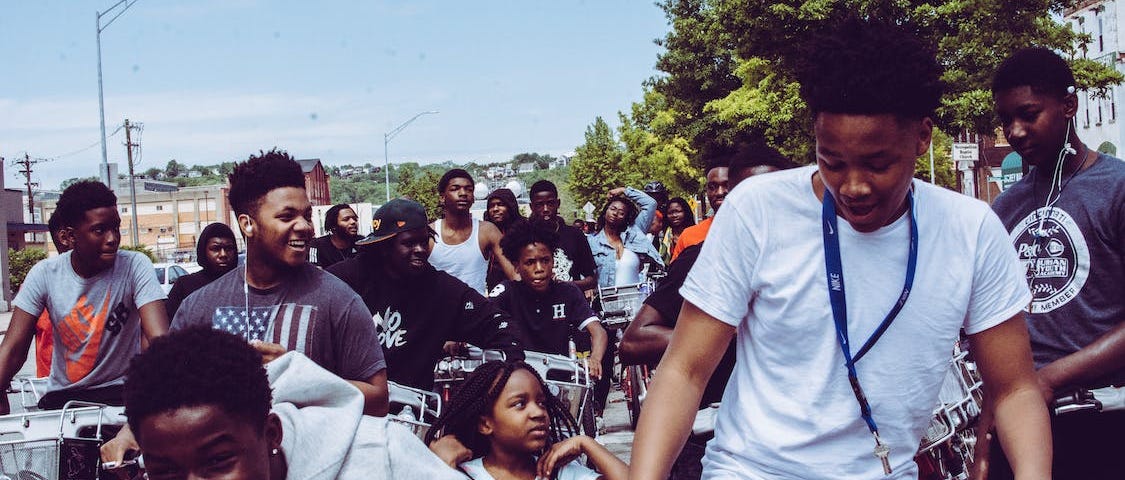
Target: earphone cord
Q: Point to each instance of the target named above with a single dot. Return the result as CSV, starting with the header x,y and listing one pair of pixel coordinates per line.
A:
x,y
246,296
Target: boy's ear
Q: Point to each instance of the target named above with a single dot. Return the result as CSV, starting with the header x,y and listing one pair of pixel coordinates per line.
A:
x,y
484,425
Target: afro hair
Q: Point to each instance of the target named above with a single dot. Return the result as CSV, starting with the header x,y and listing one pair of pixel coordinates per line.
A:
x,y
1039,68
253,179
523,234
80,197
870,67
194,367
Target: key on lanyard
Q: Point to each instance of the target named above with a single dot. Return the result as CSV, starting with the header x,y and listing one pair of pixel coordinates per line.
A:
x,y
882,453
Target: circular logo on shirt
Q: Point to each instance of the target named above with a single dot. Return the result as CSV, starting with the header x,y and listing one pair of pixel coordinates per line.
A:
x,y
1055,257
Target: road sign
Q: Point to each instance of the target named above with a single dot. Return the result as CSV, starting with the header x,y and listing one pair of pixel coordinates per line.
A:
x,y
588,207
966,152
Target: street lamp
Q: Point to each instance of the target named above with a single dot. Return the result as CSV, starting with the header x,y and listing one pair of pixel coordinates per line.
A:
x,y
387,139
101,100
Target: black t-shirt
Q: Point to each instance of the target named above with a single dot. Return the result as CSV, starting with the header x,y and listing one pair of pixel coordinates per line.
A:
x,y
545,320
324,254
416,316
573,258
667,301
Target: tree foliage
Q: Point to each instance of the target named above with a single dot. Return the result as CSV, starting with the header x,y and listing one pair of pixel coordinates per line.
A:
x,y
141,248
20,262
419,184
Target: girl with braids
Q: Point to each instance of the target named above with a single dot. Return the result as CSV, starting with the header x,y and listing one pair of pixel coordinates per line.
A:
x,y
516,429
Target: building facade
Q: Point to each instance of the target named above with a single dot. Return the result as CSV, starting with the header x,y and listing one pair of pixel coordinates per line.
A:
x,y
1097,121
316,182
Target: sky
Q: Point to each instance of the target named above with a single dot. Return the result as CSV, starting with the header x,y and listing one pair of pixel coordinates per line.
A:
x,y
217,80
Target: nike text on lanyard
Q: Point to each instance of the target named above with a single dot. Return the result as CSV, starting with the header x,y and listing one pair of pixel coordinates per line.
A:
x,y
835,271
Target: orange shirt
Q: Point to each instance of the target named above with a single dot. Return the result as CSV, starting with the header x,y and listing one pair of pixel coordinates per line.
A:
x,y
44,345
692,235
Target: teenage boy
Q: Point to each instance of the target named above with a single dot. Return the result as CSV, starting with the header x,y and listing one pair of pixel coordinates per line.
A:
x,y
647,337
277,300
464,246
341,227
101,301
574,262
716,190
417,307
1066,221
547,311
799,404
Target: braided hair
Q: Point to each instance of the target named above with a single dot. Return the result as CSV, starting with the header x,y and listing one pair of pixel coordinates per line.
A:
x,y
477,396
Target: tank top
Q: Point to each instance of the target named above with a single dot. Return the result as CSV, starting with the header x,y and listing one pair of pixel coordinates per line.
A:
x,y
628,269
464,260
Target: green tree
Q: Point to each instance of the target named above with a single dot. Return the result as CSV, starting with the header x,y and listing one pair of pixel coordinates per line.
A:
x,y
19,263
154,173
420,185
595,168
142,249
174,169
71,181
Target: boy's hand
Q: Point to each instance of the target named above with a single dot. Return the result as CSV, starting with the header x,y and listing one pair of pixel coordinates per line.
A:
x,y
269,351
451,451
594,366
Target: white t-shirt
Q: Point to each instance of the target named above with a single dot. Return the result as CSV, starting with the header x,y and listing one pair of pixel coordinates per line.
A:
x,y
572,471
788,410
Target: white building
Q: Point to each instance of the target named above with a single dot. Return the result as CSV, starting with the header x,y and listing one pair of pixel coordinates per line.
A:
x,y
1097,120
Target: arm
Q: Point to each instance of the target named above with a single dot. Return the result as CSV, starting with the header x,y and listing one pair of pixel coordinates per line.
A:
x,y
646,338
13,350
562,453
697,346
599,340
587,283
491,236
1105,355
647,207
1003,355
154,319
376,395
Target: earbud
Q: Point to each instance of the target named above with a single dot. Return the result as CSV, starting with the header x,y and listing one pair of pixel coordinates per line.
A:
x,y
1070,89
1069,149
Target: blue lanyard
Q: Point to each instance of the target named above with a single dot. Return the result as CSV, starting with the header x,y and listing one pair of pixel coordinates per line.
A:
x,y
835,271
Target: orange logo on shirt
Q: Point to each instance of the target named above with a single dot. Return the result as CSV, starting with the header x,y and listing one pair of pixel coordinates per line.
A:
x,y
80,333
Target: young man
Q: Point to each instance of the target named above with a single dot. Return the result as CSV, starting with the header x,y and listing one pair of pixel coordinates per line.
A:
x,y
101,301
716,190
417,307
548,312
647,337
464,246
573,260
217,254
1065,219
773,272
341,226
277,300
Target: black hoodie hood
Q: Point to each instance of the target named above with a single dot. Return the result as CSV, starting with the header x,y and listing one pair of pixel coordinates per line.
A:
x,y
508,198
220,230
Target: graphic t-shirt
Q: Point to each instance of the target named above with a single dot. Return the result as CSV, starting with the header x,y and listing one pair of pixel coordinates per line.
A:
x,y
96,322
1074,255
545,320
573,258
311,312
416,316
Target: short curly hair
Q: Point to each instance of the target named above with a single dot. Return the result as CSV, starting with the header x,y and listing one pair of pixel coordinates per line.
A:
x,y
193,367
870,67
253,179
1039,68
80,197
523,234
450,175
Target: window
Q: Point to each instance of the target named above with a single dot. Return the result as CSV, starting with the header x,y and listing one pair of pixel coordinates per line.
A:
x,y
124,209
1086,107
159,208
1112,106
1101,38
1099,111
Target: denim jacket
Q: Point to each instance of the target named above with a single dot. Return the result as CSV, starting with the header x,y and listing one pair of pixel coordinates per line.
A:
x,y
634,238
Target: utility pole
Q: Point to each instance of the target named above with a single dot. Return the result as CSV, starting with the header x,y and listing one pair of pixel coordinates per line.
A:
x,y
132,181
26,163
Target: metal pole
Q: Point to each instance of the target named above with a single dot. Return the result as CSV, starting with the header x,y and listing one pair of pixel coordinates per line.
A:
x,y
101,105
931,160
387,166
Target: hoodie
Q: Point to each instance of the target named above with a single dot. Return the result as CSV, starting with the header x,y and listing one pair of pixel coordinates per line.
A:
x,y
326,436
188,284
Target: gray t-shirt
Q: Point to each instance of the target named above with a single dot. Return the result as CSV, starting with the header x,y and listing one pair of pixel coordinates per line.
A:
x,y
311,312
95,321
1075,257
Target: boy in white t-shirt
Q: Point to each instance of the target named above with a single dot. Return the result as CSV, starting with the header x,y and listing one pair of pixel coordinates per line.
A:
x,y
909,266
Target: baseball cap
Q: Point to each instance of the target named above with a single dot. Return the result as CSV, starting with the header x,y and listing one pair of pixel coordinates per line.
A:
x,y
398,215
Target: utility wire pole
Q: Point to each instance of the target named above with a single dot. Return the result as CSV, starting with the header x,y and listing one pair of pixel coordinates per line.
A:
x,y
26,163
132,181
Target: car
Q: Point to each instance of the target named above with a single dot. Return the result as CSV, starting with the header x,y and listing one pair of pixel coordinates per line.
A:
x,y
167,274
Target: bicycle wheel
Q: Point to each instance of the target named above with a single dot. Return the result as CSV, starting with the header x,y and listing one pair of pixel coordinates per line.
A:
x,y
636,393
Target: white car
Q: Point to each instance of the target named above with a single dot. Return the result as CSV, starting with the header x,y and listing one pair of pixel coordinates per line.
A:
x,y
167,274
